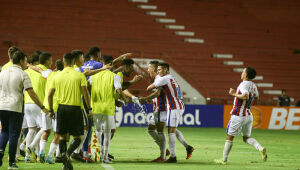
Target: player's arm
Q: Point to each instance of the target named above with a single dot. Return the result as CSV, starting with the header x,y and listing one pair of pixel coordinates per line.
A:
x,y
120,58
152,95
137,78
151,87
244,96
87,99
35,68
50,101
88,72
157,83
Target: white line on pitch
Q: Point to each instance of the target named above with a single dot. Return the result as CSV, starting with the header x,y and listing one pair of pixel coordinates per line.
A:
x,y
107,167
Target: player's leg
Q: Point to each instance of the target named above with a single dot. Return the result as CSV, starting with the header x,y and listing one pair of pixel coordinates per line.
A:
x,y
76,155
246,132
109,124
32,126
85,147
34,146
163,140
4,136
189,148
46,127
173,117
233,129
152,130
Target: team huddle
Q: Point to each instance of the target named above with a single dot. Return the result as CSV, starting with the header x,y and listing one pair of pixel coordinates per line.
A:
x,y
83,91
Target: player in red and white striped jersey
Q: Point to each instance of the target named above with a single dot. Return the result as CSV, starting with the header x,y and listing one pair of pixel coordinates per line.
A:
x,y
241,117
175,108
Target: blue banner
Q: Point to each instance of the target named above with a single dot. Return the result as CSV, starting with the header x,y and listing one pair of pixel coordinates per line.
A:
x,y
193,116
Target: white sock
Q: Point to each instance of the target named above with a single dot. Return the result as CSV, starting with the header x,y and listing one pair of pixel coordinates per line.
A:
x,y
181,139
254,143
19,144
53,147
107,136
154,135
22,146
57,152
227,148
82,141
29,138
163,144
172,144
43,144
36,139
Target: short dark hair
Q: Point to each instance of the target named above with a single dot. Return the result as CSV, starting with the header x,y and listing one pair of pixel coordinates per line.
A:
x,y
18,56
69,59
44,57
107,59
155,63
33,58
87,57
251,73
76,54
59,64
12,50
94,50
165,65
127,62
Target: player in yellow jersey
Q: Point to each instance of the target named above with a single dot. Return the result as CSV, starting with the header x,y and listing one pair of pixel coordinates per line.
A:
x,y
69,85
11,52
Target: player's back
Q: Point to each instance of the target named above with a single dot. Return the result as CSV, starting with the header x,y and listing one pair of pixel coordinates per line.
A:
x,y
242,107
67,84
38,84
91,65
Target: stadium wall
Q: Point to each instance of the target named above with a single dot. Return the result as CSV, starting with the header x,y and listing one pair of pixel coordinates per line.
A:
x,y
264,117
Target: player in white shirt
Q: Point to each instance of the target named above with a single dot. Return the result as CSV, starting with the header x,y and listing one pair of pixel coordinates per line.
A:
x,y
175,108
241,117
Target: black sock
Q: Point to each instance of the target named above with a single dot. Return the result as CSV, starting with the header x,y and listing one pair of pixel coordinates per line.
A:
x,y
63,147
74,145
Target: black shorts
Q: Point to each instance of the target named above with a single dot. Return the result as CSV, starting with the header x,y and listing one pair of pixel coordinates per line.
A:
x,y
69,120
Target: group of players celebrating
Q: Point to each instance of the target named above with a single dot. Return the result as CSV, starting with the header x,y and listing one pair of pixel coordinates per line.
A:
x,y
84,91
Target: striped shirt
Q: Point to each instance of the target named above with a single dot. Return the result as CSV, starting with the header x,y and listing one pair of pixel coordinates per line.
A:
x,y
159,103
171,90
242,107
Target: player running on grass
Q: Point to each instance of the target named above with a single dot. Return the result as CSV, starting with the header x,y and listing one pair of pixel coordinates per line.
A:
x,y
175,108
241,117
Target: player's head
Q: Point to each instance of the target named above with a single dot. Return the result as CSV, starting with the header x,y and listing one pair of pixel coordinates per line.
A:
x,y
59,64
283,92
163,69
46,59
34,58
95,53
248,73
20,58
78,57
152,68
108,59
12,50
68,60
86,57
127,65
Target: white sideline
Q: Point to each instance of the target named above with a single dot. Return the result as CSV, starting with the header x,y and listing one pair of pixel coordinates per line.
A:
x,y
107,166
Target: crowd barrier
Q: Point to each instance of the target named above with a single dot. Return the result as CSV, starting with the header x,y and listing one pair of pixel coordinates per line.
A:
x,y
264,117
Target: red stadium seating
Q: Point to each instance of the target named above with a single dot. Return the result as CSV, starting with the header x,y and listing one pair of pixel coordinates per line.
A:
x,y
233,27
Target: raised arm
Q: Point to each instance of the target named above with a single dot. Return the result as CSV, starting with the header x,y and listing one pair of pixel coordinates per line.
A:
x,y
137,78
35,68
88,72
152,95
120,58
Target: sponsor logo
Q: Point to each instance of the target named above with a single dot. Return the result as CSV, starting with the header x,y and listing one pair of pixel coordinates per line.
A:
x,y
282,118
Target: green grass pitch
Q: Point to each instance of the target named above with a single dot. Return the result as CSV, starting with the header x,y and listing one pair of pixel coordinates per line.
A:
x,y
134,149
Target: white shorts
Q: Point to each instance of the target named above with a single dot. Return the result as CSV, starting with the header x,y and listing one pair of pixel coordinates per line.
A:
x,y
238,124
24,125
108,122
33,115
158,117
173,117
54,122
46,122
